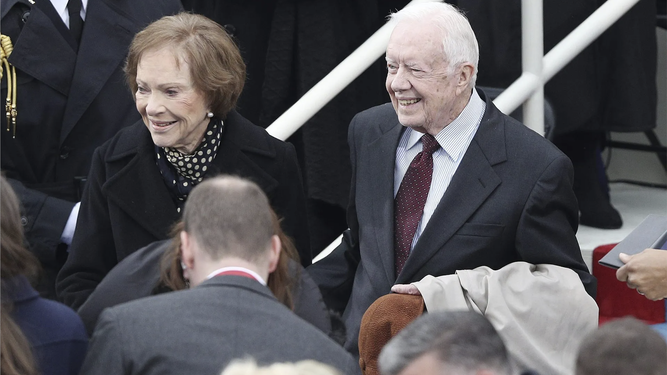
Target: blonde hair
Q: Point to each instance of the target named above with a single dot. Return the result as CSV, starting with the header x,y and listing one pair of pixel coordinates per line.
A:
x,y
305,367
16,259
16,355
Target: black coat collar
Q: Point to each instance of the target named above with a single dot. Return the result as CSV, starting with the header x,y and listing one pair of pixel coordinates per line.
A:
x,y
134,183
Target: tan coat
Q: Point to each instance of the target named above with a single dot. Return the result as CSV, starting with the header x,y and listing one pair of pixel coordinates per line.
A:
x,y
542,311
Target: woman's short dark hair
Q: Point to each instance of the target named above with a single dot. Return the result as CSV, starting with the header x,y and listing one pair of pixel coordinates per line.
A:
x,y
216,66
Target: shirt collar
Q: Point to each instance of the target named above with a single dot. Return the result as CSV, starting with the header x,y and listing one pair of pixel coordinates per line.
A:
x,y
242,269
453,137
61,8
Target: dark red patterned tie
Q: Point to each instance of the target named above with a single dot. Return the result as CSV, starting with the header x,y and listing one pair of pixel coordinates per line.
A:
x,y
410,200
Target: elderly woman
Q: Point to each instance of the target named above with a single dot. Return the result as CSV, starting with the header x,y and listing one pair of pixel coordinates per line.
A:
x,y
186,74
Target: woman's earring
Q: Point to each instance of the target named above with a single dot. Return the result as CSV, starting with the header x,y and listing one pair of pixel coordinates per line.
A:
x,y
186,275
209,114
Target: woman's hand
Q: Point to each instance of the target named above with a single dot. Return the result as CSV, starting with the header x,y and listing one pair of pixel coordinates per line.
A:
x,y
646,272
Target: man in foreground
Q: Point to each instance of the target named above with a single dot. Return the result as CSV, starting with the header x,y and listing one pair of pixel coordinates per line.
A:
x,y
228,251
453,342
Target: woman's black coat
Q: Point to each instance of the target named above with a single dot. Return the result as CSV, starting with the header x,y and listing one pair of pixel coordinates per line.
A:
x,y
126,204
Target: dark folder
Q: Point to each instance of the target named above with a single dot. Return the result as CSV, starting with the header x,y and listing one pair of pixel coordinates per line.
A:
x,y
651,233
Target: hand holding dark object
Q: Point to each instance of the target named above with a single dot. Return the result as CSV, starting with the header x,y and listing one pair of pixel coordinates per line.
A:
x,y
646,272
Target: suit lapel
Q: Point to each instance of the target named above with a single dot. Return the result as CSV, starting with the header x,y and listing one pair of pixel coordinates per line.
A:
x,y
43,53
232,159
104,42
58,23
6,6
471,185
383,162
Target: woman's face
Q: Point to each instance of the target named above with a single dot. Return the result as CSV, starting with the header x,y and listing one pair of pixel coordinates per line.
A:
x,y
172,109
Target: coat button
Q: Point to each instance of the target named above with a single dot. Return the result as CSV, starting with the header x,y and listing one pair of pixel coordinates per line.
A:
x,y
24,221
64,152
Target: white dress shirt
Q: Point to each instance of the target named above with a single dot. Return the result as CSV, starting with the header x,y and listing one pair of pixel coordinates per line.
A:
x,y
454,140
242,269
61,8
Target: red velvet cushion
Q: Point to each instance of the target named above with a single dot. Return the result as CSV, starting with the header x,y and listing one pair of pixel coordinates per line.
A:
x,y
616,300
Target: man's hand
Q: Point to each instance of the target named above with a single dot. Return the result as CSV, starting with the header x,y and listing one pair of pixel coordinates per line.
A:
x,y
646,272
405,289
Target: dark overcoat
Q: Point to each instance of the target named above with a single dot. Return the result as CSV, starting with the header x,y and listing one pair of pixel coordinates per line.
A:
x,y
199,331
138,276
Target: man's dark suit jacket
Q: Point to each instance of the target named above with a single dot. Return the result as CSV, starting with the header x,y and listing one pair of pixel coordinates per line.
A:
x,y
70,100
510,200
127,205
199,331
138,275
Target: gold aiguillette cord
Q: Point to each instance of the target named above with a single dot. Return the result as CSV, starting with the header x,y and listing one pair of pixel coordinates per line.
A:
x,y
10,103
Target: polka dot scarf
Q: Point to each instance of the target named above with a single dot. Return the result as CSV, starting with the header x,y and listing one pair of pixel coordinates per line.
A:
x,y
182,172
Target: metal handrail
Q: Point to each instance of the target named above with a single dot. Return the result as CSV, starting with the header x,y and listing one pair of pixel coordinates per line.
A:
x,y
532,53
522,90
559,56
334,82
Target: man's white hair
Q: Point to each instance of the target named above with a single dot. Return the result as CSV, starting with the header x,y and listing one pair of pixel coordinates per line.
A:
x,y
458,39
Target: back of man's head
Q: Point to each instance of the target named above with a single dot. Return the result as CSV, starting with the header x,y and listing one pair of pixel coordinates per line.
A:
x,y
624,346
461,342
229,216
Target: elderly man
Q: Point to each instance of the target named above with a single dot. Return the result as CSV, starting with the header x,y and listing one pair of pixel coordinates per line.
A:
x,y
228,250
446,343
442,180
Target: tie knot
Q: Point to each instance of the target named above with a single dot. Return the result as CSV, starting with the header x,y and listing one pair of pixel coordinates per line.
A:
x,y
429,144
74,6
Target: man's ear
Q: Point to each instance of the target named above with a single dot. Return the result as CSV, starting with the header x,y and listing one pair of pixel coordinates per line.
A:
x,y
274,253
187,251
465,76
